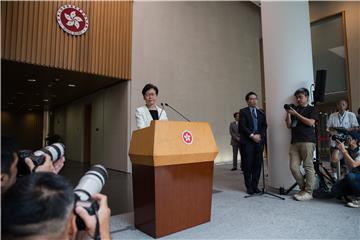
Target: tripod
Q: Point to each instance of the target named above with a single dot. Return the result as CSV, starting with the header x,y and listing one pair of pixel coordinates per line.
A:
x,y
263,191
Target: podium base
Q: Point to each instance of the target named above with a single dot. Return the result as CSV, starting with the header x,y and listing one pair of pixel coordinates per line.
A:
x,y
171,198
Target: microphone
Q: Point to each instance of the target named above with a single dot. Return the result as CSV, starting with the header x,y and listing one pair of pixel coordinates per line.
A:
x,y
162,109
177,112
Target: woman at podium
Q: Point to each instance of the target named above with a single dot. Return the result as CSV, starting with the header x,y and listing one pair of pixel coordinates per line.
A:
x,y
145,114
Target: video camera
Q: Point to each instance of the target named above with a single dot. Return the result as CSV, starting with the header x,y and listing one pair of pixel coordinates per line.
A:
x,y
55,151
92,182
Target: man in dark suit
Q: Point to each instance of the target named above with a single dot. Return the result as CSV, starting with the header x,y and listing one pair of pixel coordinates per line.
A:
x,y
235,140
252,129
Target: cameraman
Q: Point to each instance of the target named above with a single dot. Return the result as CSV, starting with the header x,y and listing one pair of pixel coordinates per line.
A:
x,y
350,184
301,120
41,206
344,120
9,162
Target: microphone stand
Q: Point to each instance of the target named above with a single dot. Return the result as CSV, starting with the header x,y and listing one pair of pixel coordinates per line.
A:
x,y
177,112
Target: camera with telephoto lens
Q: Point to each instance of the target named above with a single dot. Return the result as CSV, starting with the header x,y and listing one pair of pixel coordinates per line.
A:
x,y
92,182
289,106
55,151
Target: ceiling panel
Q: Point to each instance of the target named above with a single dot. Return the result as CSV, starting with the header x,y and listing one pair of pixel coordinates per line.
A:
x,y
27,87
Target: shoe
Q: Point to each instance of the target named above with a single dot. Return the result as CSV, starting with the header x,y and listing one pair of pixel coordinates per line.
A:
x,y
354,204
303,196
233,169
250,191
256,190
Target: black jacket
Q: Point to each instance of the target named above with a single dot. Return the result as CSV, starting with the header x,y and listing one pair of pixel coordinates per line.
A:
x,y
246,125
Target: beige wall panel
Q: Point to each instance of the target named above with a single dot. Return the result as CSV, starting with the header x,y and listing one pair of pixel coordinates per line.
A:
x,y
31,34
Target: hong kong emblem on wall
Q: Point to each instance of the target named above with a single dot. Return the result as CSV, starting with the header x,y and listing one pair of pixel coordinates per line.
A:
x,y
72,20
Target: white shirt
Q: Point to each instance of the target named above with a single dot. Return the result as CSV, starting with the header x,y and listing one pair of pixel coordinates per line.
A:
x,y
347,120
144,118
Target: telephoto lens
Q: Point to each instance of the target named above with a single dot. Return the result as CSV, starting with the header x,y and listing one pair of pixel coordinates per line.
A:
x,y
55,151
92,182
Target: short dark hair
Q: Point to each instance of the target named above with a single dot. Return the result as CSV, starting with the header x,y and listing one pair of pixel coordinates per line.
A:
x,y
359,111
343,100
302,91
248,95
235,114
149,86
38,204
355,135
8,148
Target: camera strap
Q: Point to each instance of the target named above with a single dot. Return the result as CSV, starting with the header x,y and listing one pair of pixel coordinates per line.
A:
x,y
97,227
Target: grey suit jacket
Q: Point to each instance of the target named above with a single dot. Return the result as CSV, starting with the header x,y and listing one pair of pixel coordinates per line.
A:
x,y
234,132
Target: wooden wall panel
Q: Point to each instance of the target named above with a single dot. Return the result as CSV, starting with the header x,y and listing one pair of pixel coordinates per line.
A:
x,y
31,34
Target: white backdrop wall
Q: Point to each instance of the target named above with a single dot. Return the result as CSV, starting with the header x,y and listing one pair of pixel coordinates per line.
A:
x,y
203,56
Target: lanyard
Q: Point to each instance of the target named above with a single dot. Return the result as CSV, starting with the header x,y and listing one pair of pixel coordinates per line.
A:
x,y
341,119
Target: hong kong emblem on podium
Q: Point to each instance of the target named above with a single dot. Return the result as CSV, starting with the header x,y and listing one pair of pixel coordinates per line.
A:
x,y
187,137
72,20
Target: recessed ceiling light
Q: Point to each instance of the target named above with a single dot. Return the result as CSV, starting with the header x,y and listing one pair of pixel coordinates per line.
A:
x,y
71,85
31,80
56,80
46,100
50,85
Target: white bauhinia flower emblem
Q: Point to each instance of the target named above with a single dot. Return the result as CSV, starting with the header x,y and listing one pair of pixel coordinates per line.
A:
x,y
187,137
73,19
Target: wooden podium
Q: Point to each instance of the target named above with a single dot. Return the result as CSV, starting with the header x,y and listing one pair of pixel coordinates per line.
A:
x,y
173,165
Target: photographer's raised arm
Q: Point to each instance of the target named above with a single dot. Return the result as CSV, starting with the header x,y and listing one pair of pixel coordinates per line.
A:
x,y
307,121
288,120
349,160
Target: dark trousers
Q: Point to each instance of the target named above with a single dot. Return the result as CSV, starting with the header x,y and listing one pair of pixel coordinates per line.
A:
x,y
252,156
236,149
348,186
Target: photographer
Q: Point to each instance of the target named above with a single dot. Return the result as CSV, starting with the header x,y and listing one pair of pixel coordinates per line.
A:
x,y
301,120
9,163
341,120
350,184
41,206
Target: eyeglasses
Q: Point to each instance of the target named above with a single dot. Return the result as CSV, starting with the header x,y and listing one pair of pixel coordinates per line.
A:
x,y
150,94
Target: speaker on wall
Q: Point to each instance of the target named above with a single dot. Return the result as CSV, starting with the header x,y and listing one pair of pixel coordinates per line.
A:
x,y
320,83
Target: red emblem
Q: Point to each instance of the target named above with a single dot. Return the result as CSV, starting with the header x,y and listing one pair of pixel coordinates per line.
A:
x,y
187,137
72,20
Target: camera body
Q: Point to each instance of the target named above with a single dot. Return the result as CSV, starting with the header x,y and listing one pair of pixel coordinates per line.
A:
x,y
92,182
91,206
55,151
340,138
289,106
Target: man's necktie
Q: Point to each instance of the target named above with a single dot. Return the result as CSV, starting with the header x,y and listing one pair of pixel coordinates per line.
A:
x,y
254,118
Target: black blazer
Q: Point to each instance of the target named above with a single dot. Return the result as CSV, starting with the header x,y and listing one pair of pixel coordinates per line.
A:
x,y
246,125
